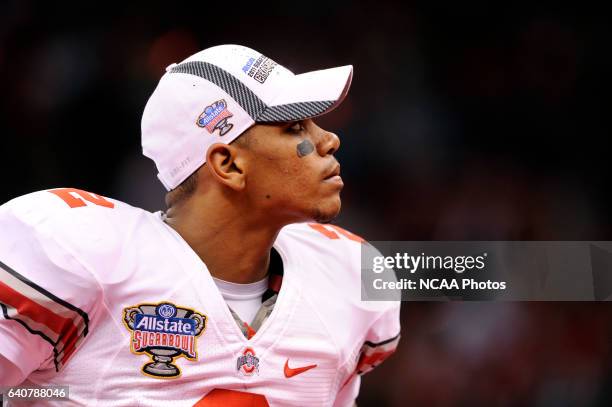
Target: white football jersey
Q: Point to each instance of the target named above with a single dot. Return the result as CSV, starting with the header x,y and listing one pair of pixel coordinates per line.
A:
x,y
111,301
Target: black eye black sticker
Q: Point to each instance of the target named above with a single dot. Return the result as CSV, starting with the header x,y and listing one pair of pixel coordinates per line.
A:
x,y
304,148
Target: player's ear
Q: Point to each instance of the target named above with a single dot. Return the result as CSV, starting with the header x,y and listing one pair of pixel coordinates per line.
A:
x,y
226,165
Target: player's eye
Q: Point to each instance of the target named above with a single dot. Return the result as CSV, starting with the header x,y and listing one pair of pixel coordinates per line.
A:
x,y
296,128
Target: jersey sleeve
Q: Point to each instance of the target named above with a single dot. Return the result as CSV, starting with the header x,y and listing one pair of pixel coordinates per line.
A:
x,y
382,337
46,295
381,340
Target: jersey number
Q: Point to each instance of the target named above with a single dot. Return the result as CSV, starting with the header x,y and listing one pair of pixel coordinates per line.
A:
x,y
232,398
72,197
330,232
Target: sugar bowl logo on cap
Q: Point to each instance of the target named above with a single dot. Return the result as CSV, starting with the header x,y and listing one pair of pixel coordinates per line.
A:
x,y
214,117
164,331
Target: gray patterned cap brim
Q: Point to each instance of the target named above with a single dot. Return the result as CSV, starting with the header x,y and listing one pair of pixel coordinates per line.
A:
x,y
248,100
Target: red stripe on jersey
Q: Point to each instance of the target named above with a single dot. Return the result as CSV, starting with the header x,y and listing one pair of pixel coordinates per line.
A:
x,y
64,327
69,350
70,345
367,362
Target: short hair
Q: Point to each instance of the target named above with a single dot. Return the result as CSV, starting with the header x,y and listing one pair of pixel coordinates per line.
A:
x,y
243,139
183,191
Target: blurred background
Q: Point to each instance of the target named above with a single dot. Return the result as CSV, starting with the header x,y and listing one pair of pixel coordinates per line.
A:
x,y
466,121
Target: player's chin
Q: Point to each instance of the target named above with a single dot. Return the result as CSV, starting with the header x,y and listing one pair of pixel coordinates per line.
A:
x,y
327,210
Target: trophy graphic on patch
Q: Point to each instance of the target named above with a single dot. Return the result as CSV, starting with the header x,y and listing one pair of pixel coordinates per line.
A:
x,y
215,116
164,332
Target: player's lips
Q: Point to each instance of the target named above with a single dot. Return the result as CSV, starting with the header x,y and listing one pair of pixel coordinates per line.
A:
x,y
333,176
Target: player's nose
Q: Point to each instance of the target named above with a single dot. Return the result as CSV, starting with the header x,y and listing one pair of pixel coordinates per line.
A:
x,y
328,143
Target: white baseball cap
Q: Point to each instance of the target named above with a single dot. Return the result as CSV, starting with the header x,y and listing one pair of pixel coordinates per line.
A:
x,y
215,95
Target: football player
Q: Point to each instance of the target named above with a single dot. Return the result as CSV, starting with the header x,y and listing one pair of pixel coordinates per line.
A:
x,y
240,293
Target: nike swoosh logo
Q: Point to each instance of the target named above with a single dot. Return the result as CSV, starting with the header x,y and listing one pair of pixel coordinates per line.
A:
x,y
289,372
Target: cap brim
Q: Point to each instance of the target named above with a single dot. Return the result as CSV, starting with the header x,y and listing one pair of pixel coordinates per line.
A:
x,y
308,95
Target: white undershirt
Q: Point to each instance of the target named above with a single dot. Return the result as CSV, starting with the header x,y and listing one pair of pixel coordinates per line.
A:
x,y
244,299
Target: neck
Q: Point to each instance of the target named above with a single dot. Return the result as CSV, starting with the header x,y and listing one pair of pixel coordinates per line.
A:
x,y
233,246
